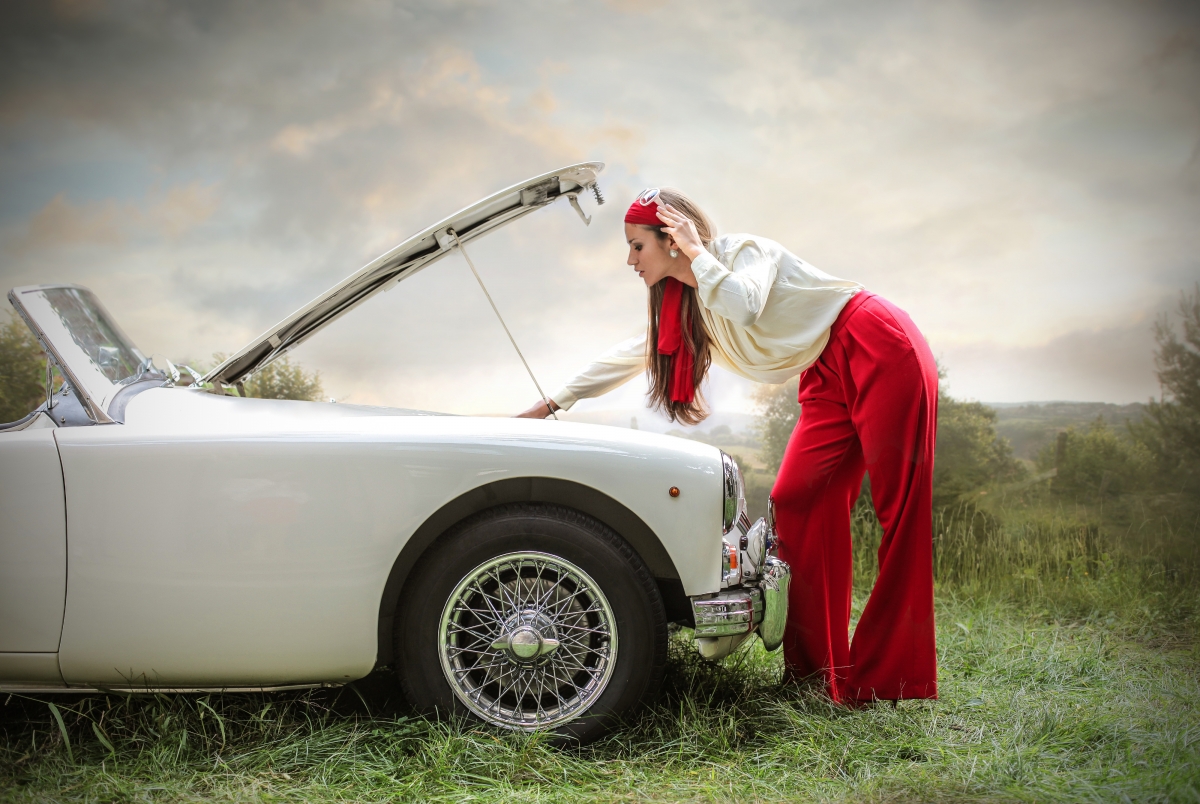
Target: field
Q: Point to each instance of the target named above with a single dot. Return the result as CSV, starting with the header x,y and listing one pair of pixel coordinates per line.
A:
x,y
1068,671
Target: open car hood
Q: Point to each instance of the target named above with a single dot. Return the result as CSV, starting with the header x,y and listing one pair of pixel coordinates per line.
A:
x,y
417,252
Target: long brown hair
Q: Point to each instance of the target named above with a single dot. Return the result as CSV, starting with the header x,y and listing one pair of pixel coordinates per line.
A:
x,y
694,334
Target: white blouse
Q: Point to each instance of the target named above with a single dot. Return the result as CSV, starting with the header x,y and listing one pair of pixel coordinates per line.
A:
x,y
768,313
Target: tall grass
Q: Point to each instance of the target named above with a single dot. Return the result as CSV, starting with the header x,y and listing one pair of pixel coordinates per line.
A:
x,y
977,551
1076,560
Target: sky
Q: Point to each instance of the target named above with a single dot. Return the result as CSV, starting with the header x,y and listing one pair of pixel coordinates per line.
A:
x,y
1022,177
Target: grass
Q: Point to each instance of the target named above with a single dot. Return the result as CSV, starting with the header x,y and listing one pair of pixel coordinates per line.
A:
x,y
1033,707
1068,672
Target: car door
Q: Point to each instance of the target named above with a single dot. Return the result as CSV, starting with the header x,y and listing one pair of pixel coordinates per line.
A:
x,y
33,543
97,364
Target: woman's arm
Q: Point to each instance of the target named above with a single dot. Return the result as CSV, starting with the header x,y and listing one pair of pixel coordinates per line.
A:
x,y
741,294
612,369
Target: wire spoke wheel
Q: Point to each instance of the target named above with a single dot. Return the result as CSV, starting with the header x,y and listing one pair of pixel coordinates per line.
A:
x,y
511,617
527,641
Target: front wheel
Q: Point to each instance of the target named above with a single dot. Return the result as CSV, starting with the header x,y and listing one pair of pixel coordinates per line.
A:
x,y
531,618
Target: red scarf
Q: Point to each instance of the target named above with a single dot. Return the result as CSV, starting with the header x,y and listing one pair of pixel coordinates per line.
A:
x,y
672,319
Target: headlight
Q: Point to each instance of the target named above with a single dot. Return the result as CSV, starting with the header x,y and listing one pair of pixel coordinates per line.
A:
x,y
735,497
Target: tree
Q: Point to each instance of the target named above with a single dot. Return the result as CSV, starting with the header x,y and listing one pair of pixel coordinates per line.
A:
x,y
284,380
22,371
970,456
1171,428
1096,462
778,413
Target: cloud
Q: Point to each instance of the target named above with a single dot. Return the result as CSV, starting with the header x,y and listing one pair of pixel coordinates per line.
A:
x,y
63,224
1022,179
299,140
1112,364
182,208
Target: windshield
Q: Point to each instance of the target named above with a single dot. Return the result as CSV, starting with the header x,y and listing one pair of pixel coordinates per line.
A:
x,y
91,350
95,333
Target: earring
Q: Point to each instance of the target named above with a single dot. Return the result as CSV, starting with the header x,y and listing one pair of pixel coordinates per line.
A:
x,y
674,253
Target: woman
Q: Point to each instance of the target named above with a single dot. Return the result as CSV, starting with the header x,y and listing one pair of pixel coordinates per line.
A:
x,y
868,390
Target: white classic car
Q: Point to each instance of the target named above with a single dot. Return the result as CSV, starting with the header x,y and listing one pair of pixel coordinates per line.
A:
x,y
168,534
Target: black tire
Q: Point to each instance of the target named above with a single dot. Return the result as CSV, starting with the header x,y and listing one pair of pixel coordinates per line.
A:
x,y
637,612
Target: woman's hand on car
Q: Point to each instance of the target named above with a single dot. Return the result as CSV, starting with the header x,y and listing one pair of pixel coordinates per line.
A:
x,y
541,410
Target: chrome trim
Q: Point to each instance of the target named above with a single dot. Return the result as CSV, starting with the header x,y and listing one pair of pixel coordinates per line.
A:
x,y
729,613
754,549
762,608
527,641
116,408
149,690
23,423
733,506
776,578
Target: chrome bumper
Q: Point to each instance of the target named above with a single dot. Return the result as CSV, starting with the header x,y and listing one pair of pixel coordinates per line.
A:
x,y
737,612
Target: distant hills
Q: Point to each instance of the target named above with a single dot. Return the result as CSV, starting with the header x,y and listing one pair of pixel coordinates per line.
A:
x,y
1031,425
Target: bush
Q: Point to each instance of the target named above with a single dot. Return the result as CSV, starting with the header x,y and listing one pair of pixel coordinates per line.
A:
x,y
778,413
1097,463
970,456
1171,428
22,371
284,380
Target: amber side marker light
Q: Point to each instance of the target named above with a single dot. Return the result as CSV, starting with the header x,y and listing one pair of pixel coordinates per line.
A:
x,y
673,491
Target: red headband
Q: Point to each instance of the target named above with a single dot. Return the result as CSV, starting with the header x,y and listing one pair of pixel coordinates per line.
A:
x,y
646,215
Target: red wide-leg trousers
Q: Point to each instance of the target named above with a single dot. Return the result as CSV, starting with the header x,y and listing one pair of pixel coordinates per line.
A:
x,y
869,404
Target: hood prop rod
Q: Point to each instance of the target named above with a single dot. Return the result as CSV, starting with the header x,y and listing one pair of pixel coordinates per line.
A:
x,y
496,310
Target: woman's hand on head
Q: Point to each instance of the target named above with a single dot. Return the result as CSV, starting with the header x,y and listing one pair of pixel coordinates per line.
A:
x,y
681,229
541,410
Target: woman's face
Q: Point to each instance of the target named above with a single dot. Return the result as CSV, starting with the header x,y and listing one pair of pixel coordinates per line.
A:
x,y
647,253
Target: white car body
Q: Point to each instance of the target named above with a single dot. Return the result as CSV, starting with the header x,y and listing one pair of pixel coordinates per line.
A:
x,y
308,507
186,538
